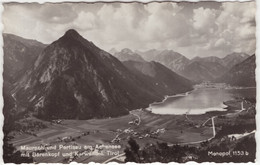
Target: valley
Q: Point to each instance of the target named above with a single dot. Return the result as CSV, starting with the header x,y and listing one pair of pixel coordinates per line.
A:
x,y
141,125
129,82
75,102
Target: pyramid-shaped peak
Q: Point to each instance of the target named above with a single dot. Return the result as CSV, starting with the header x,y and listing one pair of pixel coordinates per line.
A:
x,y
73,37
72,32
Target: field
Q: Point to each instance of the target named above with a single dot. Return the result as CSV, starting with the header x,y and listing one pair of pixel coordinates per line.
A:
x,y
142,125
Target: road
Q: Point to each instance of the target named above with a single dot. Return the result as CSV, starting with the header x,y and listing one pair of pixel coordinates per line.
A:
x,y
139,119
205,122
213,126
139,122
108,160
197,142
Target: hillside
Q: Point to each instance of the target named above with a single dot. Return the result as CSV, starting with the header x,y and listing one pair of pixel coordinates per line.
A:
x,y
72,78
232,59
127,54
162,79
203,70
197,69
173,60
197,72
19,55
242,74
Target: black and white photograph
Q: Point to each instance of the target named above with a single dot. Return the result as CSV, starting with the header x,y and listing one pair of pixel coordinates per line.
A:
x,y
129,82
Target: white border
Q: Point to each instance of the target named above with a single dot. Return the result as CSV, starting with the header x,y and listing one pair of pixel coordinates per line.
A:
x,y
144,1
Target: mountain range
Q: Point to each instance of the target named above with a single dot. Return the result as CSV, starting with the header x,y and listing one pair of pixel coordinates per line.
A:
x,y
197,69
159,77
242,74
19,56
173,60
127,54
73,79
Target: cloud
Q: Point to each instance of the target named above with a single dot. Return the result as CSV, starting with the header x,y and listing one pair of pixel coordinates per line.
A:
x,y
193,29
204,19
227,29
163,22
220,43
85,21
62,14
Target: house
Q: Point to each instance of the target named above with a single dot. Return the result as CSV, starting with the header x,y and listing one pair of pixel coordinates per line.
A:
x,y
130,122
147,135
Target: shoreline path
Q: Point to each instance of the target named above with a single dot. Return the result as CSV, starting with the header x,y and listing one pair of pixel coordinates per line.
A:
x,y
196,142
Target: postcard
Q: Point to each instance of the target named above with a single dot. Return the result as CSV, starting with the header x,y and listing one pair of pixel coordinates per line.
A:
x,y
129,82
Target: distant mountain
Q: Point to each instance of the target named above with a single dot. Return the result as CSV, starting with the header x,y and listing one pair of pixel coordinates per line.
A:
x,y
160,78
72,78
173,60
112,51
212,59
127,54
204,69
149,55
197,72
228,61
242,74
232,59
198,69
209,68
19,55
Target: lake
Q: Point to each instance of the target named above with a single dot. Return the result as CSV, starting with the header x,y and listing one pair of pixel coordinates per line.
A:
x,y
200,101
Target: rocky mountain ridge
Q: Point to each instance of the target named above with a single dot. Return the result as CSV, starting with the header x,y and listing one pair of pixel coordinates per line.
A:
x,y
242,74
197,69
74,79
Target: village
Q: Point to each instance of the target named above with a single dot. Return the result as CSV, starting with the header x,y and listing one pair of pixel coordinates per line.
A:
x,y
111,135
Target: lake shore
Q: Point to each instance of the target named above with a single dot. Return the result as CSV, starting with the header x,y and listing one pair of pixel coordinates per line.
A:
x,y
178,104
151,128
171,96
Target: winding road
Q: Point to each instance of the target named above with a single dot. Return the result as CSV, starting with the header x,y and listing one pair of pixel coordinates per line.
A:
x,y
108,160
139,119
213,126
186,143
117,156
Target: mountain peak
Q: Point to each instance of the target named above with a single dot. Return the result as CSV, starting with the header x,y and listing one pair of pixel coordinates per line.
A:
x,y
72,37
113,51
237,54
72,32
127,50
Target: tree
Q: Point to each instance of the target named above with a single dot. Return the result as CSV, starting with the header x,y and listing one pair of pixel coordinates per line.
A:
x,y
12,156
129,155
134,146
132,153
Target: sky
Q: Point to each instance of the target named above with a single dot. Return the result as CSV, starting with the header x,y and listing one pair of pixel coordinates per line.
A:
x,y
190,28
